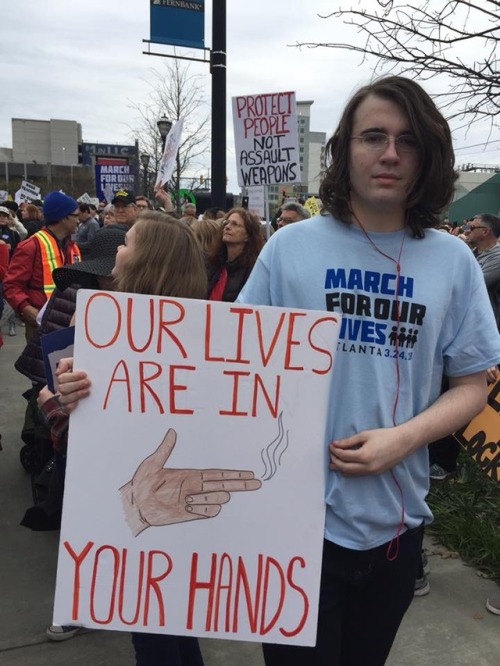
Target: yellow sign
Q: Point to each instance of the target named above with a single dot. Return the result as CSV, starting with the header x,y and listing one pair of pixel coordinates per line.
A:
x,y
481,437
312,206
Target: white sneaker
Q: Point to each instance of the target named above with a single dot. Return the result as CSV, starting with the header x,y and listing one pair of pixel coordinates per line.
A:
x,y
422,587
64,633
438,473
493,602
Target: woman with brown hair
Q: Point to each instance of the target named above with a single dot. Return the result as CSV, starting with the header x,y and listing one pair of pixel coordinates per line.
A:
x,y
208,234
32,219
161,257
232,262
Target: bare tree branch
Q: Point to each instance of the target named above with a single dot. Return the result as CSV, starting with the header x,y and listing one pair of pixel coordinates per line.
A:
x,y
456,41
174,93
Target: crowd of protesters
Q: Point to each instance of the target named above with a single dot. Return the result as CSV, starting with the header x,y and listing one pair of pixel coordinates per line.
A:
x,y
49,251
123,245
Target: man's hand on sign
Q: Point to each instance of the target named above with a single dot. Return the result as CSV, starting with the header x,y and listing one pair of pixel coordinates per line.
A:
x,y
159,496
73,385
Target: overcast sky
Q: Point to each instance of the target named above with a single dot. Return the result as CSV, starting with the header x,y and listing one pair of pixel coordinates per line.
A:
x,y
83,61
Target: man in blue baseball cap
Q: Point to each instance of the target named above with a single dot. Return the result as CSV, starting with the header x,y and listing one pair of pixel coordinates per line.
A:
x,y
29,283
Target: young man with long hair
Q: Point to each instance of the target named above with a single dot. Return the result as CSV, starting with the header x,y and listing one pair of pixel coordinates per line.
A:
x,y
374,256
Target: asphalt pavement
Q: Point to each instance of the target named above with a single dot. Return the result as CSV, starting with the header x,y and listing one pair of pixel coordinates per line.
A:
x,y
449,627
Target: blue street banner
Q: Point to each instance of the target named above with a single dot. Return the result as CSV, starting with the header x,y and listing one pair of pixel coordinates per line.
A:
x,y
178,22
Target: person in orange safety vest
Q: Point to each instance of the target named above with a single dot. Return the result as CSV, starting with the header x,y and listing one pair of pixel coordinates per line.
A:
x,y
28,283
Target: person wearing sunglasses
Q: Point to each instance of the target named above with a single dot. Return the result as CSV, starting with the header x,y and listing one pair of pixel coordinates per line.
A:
x,y
482,235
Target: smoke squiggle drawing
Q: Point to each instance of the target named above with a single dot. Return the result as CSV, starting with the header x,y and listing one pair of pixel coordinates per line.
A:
x,y
274,450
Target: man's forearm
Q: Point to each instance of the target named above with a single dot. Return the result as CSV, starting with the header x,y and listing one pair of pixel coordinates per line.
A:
x,y
465,398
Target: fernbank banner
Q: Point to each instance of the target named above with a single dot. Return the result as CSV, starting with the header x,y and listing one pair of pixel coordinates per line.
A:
x,y
178,23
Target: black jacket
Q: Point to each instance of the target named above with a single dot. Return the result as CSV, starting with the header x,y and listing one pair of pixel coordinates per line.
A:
x,y
57,315
237,275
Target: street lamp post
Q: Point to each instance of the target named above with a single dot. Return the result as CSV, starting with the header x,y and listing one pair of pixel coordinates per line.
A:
x,y
164,127
145,160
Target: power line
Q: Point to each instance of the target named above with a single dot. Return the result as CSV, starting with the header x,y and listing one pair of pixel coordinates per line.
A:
x,y
476,145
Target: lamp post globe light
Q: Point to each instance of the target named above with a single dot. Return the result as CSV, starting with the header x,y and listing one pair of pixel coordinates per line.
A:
x,y
164,126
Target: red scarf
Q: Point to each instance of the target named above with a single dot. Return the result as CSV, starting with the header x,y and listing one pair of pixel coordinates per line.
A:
x,y
218,289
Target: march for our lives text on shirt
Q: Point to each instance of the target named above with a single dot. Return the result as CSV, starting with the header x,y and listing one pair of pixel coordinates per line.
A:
x,y
379,316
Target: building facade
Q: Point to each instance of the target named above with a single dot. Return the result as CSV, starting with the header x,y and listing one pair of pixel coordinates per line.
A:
x,y
46,141
312,159
52,155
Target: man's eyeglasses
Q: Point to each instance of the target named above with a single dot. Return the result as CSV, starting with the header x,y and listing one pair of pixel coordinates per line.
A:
x,y
471,227
378,142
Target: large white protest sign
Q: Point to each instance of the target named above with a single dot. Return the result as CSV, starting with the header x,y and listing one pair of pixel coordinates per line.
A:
x,y
194,495
27,192
167,164
265,135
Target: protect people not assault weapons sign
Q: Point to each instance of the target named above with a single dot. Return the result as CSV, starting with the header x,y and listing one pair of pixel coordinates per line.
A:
x,y
265,134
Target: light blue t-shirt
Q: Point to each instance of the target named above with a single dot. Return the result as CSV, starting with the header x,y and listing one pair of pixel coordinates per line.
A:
x,y
445,325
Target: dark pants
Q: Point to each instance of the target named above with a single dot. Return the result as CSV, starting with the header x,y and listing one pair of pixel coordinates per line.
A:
x,y
363,599
444,452
163,650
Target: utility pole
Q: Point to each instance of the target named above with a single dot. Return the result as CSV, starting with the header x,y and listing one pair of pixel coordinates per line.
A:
x,y
218,71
